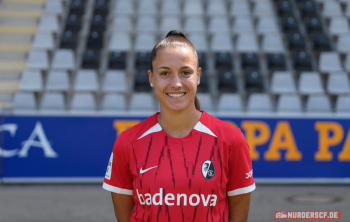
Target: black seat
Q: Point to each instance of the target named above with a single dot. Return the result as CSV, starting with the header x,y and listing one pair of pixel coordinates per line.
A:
x,y
227,82
69,40
142,60
142,81
204,83
77,7
308,8
296,42
276,62
101,7
302,61
250,62
285,8
117,60
290,25
74,22
314,25
223,61
95,40
98,23
321,43
91,59
254,82
202,59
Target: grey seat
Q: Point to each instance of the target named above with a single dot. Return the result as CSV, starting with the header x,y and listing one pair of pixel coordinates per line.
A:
x,y
219,25
240,8
289,103
43,41
57,80
86,80
53,101
259,102
146,24
230,103
124,7
24,102
247,42
282,82
147,7
216,8
199,41
221,43
331,9
272,43
338,83
263,8
205,101
343,43
170,23
83,102
339,25
141,102
114,81
122,24
170,8
194,25
343,104
310,83
31,81
243,24
63,59
49,23
318,103
329,62
120,42
145,42
54,7
113,102
38,60
347,62
267,25
193,8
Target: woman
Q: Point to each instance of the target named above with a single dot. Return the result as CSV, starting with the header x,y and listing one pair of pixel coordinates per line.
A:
x,y
180,164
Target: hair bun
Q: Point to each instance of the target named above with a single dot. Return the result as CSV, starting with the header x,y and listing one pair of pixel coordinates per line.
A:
x,y
176,33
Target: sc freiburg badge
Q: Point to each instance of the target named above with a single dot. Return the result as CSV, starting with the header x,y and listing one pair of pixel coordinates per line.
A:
x,y
208,169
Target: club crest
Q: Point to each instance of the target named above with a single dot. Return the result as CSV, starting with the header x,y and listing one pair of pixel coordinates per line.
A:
x,y
208,169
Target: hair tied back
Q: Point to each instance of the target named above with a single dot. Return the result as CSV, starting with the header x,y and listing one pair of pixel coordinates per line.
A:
x,y
176,33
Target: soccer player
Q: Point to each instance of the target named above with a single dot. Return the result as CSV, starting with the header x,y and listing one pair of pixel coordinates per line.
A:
x,y
180,164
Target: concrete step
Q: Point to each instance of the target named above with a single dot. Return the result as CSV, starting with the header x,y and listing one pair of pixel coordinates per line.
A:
x,y
14,76
18,29
12,65
24,1
16,38
19,21
6,13
15,47
21,6
8,86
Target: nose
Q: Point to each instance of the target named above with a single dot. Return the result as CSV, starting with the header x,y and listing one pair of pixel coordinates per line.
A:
x,y
176,81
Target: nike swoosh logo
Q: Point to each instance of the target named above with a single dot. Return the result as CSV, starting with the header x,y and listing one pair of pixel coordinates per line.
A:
x,y
142,171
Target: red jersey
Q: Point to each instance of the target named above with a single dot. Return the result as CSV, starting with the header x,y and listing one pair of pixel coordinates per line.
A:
x,y
180,179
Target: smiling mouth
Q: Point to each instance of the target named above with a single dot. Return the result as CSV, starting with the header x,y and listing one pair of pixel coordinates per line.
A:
x,y
175,95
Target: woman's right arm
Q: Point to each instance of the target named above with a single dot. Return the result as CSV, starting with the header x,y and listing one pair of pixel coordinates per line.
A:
x,y
123,205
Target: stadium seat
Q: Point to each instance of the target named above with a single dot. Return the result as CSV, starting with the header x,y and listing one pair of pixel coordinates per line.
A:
x,y
310,83
120,42
170,23
31,81
276,62
203,87
122,24
86,80
43,41
272,43
54,7
339,25
314,25
146,24
24,102
145,42
296,42
115,81
52,101
347,12
250,62
221,43
338,83
318,103
247,42
77,7
193,8
124,7
199,41
170,8
202,58
343,104
57,80
229,102
242,24
219,25
223,61
101,7
98,23
258,102
321,43
347,62
63,59
141,83
332,9
216,8
343,43
227,82
205,101
91,59
253,82
329,62
69,40
282,82
194,25
302,61
49,23
141,102
266,25
74,23
147,7
95,40
289,103
38,60
263,8
290,25
117,60
308,9
113,102
83,102
240,8
142,60
285,8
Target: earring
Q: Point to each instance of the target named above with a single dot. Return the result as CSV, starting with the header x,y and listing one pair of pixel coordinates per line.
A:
x,y
151,84
198,83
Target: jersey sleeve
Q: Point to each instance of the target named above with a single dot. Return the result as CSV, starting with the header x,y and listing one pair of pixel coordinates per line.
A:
x,y
240,168
118,178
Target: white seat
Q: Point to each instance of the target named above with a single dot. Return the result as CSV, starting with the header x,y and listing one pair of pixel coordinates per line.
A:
x,y
199,41
247,42
44,41
38,60
243,24
221,43
63,59
170,8
329,62
331,9
122,24
83,102
57,80
343,104
289,103
193,8
347,12
113,102
145,42
219,25
124,7
146,24
141,102
24,101
49,23
310,83
194,24
215,8
339,25
272,43
338,83
120,42
205,101
282,82
240,8
267,25
86,80
347,62
53,101
54,7
147,7
259,102
318,103
31,81
343,44
263,8
230,102
170,23
114,81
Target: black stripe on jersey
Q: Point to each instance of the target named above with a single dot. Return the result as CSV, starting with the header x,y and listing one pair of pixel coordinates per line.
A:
x,y
159,210
171,167
182,211
183,153
197,155
195,209
137,169
166,206
148,150
161,155
220,160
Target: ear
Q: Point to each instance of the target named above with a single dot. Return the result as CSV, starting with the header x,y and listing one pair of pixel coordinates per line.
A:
x,y
199,74
150,77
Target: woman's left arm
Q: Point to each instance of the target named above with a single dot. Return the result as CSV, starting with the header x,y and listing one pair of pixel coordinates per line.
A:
x,y
239,207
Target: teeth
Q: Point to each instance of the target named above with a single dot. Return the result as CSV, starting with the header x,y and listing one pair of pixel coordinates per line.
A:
x,y
176,95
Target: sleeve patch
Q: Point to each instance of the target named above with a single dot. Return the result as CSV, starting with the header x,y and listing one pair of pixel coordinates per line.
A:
x,y
109,168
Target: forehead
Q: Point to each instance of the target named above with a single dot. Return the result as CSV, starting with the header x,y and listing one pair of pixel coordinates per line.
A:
x,y
175,56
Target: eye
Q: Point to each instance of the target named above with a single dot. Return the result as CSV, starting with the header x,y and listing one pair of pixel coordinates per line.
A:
x,y
186,73
164,73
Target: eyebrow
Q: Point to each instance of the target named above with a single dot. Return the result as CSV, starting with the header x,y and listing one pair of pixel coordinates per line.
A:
x,y
183,67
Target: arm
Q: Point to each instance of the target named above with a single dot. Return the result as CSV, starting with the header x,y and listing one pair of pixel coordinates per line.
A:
x,y
123,205
239,207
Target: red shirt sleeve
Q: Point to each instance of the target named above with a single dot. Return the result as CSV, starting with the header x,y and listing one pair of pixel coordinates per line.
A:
x,y
240,168
118,178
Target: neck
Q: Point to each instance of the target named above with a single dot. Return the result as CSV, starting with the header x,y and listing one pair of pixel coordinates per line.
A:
x,y
178,123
